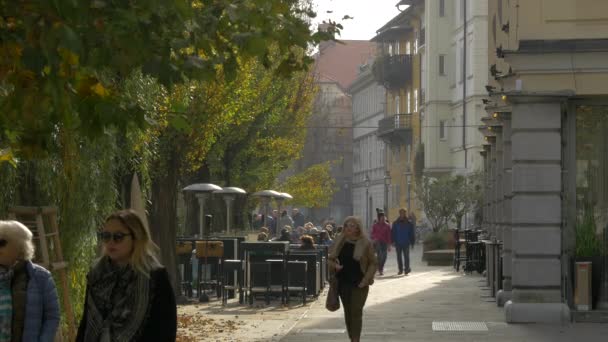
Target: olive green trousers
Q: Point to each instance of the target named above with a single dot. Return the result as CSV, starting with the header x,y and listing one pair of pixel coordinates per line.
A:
x,y
353,299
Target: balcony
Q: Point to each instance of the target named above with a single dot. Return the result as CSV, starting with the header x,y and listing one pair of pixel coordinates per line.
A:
x,y
396,129
421,39
393,71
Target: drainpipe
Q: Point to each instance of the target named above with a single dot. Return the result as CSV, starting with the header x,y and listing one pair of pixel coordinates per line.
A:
x,y
464,84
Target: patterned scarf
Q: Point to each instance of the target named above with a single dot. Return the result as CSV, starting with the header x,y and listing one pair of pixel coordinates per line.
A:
x,y
117,302
6,304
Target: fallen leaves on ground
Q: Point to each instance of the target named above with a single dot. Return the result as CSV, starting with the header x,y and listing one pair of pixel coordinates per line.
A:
x,y
192,328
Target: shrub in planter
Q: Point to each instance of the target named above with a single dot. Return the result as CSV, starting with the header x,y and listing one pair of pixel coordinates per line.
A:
x,y
589,247
436,240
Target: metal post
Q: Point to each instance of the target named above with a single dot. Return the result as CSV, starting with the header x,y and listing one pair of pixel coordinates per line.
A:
x,y
228,199
201,204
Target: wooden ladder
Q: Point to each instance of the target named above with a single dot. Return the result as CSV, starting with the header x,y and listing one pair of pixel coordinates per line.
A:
x,y
48,250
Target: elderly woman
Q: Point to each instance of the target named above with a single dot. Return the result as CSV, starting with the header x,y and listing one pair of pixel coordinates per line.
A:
x,y
353,261
129,296
29,310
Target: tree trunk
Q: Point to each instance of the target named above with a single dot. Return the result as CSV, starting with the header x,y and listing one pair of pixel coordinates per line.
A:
x,y
163,219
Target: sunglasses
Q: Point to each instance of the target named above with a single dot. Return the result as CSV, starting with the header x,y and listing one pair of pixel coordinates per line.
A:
x,y
107,236
3,243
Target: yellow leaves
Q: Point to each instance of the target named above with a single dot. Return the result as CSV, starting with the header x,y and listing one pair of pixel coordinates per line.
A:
x,y
68,56
313,187
6,155
100,90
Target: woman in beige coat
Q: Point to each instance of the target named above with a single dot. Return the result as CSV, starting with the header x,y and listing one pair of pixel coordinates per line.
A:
x,y
353,261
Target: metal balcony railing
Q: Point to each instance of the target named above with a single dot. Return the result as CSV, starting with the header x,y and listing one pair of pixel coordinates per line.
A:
x,y
395,128
393,71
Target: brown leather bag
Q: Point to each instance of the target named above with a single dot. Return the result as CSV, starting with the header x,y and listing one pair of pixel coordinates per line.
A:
x,y
332,302
210,249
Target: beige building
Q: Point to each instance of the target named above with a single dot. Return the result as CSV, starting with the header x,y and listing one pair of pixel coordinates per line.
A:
x,y
546,156
329,135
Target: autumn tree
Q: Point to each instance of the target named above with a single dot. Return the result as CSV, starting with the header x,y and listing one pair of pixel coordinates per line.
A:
x,y
313,188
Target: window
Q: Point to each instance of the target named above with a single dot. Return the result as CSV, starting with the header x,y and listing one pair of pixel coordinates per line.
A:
x,y
408,153
397,48
415,100
390,49
409,102
416,46
397,105
442,8
442,65
408,48
442,132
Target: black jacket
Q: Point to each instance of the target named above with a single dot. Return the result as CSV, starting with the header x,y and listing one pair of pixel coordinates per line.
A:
x,y
161,320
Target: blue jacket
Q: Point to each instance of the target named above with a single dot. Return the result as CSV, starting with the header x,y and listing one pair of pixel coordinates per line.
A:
x,y
42,307
402,233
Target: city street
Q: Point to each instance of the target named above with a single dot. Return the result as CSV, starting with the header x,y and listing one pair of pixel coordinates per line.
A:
x,y
399,308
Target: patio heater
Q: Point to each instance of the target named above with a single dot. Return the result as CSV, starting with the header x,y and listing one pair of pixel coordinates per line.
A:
x,y
202,191
229,194
283,196
265,197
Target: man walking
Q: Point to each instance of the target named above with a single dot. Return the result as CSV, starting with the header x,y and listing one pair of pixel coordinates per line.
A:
x,y
403,237
381,238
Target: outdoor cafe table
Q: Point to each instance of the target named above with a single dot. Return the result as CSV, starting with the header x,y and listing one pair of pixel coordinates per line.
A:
x,y
264,251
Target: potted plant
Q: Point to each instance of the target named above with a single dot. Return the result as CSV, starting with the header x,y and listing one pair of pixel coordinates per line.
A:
x,y
434,241
589,248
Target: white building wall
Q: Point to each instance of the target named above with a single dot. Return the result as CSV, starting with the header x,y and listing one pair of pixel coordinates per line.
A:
x,y
437,82
476,79
368,151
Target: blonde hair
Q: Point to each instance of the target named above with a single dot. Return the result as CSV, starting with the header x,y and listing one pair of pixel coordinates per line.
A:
x,y
17,232
357,221
144,257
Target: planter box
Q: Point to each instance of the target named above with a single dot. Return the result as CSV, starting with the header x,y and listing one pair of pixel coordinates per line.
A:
x,y
439,257
596,275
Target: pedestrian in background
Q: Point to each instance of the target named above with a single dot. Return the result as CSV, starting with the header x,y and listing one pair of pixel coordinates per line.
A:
x,y
403,236
129,296
298,218
29,309
381,238
353,261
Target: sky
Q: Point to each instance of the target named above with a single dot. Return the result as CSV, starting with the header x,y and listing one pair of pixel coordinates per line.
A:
x,y
369,15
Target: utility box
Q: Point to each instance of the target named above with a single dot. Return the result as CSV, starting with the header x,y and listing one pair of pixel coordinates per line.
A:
x,y
582,286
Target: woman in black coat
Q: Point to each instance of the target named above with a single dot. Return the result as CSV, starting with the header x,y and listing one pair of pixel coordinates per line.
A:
x,y
129,296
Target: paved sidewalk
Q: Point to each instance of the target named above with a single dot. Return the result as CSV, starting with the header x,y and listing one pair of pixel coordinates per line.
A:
x,y
405,308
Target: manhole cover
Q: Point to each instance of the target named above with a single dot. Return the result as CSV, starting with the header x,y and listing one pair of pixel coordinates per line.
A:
x,y
321,331
459,326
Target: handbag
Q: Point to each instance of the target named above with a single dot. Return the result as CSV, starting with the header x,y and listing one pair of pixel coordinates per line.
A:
x,y
332,302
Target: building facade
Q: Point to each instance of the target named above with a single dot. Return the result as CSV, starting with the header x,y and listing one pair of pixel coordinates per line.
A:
x,y
369,190
545,154
329,135
398,69
454,79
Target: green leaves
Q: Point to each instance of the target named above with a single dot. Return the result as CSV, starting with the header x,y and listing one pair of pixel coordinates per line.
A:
x,y
449,197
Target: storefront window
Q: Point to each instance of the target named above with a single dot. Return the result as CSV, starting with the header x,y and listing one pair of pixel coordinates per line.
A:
x,y
591,178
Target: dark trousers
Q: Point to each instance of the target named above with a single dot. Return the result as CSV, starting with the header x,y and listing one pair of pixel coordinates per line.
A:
x,y
381,251
403,258
353,299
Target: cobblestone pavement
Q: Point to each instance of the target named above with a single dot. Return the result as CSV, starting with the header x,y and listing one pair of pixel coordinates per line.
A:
x,y
399,308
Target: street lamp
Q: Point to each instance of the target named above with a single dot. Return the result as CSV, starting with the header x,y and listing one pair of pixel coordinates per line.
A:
x,y
367,181
387,183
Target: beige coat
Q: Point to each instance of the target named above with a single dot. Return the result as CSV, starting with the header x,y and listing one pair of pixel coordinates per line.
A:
x,y
364,253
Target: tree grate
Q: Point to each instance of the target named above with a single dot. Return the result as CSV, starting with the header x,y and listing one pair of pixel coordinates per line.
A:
x,y
460,326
